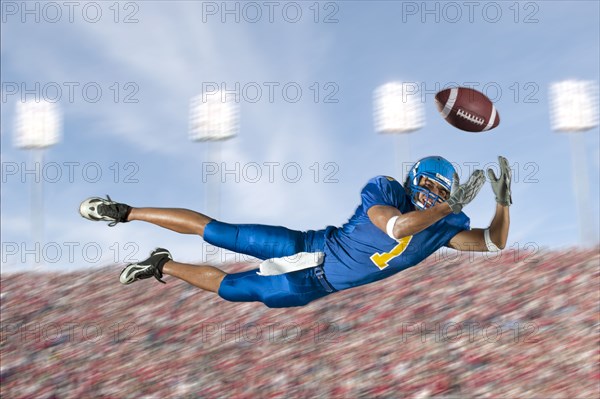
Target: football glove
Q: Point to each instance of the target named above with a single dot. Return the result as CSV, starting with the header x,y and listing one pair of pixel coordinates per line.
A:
x,y
501,185
461,195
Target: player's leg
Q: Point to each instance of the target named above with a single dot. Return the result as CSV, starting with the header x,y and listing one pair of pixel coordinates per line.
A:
x,y
183,221
206,277
259,241
161,262
262,241
278,291
285,290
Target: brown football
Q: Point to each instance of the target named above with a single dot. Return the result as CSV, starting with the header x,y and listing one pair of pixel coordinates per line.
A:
x,y
467,109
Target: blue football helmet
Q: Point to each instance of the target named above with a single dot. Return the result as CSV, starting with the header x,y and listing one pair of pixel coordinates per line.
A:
x,y
434,168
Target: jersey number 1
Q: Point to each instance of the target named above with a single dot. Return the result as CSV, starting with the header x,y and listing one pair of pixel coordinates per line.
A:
x,y
381,260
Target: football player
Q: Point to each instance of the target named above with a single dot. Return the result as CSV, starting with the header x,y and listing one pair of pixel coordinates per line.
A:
x,y
395,227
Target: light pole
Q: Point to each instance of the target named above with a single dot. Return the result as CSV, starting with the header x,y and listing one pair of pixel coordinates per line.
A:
x,y
397,109
38,126
213,117
574,110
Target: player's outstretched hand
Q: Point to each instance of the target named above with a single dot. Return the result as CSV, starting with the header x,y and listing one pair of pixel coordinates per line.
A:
x,y
501,185
462,194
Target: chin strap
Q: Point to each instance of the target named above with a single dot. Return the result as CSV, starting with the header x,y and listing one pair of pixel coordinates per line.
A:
x,y
489,243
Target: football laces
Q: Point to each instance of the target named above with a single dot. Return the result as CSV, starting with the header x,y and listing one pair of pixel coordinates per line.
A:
x,y
470,117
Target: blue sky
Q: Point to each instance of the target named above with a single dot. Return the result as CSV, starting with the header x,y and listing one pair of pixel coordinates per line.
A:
x,y
171,50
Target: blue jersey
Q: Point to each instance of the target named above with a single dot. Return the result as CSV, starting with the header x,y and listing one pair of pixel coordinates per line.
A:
x,y
359,252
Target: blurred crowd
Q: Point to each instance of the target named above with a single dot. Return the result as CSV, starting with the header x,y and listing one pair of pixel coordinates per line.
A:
x,y
517,325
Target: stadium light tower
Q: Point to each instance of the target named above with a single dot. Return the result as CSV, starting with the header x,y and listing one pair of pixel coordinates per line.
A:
x,y
213,117
574,110
37,126
397,109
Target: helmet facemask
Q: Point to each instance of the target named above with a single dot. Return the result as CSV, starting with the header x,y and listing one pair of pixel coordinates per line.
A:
x,y
435,170
428,198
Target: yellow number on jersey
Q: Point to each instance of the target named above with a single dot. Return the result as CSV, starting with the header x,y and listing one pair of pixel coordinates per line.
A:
x,y
381,260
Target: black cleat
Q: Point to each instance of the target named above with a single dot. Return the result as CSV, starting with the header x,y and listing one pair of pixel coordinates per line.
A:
x,y
146,268
98,209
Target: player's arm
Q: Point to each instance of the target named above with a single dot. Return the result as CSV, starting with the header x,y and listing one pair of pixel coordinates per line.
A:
x,y
407,224
475,239
391,221
495,236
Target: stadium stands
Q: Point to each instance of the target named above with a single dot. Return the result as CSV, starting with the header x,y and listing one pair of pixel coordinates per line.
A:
x,y
521,326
